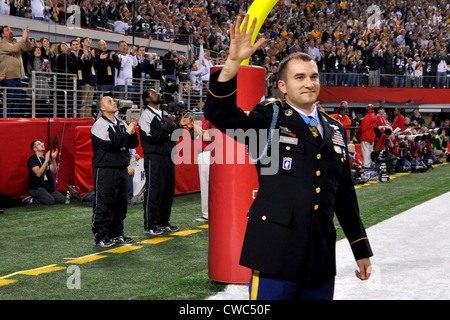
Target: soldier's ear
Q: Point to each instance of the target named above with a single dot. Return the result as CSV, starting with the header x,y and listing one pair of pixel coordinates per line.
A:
x,y
282,86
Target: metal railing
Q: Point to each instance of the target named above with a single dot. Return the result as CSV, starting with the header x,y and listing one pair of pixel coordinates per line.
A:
x,y
355,79
50,94
47,94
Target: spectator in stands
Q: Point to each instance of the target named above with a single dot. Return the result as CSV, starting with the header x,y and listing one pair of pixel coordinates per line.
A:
x,y
11,64
140,71
5,8
205,59
112,12
367,135
89,75
122,26
195,75
41,166
37,9
332,66
400,62
105,68
48,50
443,61
86,14
61,66
97,10
39,82
418,71
73,13
410,73
374,61
143,26
78,59
124,61
430,70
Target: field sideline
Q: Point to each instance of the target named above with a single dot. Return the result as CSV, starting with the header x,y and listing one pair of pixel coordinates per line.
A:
x,y
47,252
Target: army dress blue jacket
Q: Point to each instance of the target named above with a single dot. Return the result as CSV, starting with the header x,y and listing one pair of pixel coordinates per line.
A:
x,y
290,231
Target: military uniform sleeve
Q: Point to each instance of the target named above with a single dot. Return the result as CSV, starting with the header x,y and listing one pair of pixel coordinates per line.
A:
x,y
347,212
222,111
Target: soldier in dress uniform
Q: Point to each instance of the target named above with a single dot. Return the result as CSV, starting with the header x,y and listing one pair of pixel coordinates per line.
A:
x,y
295,206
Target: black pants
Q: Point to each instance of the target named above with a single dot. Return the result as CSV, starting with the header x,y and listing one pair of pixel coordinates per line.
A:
x,y
110,202
160,189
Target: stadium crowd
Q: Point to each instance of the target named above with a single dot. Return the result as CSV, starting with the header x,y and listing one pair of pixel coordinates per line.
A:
x,y
374,43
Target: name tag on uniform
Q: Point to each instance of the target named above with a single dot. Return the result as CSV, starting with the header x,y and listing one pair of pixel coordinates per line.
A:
x,y
289,140
287,163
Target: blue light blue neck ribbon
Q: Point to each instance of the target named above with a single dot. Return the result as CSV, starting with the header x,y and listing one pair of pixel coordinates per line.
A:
x,y
310,120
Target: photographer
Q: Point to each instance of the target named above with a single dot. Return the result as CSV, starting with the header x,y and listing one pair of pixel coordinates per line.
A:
x,y
440,140
401,152
414,146
385,146
156,127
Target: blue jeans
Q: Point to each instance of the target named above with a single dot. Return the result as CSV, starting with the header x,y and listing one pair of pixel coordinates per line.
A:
x,y
399,81
332,77
351,78
14,96
441,79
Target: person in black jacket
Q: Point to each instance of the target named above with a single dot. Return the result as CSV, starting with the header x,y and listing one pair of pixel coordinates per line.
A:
x,y
89,77
374,61
78,60
111,141
64,81
295,205
105,68
41,167
156,127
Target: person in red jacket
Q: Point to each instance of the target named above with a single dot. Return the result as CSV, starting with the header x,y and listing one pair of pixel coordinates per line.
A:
x,y
342,117
382,120
399,120
367,135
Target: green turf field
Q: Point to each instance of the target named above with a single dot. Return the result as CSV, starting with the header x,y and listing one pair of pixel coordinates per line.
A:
x,y
47,252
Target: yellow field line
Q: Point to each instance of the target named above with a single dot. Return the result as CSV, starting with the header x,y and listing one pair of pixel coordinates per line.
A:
x,y
94,256
29,271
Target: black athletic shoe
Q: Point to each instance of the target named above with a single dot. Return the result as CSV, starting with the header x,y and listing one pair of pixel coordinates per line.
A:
x,y
122,239
105,243
27,200
170,228
155,231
